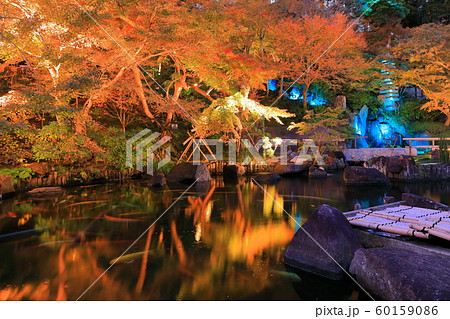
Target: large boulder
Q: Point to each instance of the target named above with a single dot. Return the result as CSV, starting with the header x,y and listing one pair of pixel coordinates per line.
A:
x,y
405,168
399,274
265,178
233,171
337,154
324,245
395,164
6,184
157,180
336,160
357,175
290,169
419,201
189,173
340,102
315,172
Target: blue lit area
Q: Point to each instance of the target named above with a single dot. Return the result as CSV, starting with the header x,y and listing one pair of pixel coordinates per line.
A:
x,y
314,96
317,100
272,85
389,91
420,143
381,129
386,131
360,126
295,94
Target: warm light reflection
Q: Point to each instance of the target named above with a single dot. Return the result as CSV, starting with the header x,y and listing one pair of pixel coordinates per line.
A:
x,y
227,241
198,232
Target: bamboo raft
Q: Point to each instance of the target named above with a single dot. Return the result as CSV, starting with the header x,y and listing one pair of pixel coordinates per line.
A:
x,y
404,220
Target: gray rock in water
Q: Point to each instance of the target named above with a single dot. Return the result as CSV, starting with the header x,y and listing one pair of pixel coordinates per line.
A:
x,y
399,274
266,178
337,155
388,199
332,231
45,191
357,175
233,171
398,164
290,169
317,172
6,184
419,201
158,180
188,173
395,164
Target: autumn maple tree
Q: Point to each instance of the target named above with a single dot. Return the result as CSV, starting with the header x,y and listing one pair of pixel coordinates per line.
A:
x,y
315,48
427,59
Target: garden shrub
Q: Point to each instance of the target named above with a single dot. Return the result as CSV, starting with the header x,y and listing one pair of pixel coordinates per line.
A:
x,y
57,142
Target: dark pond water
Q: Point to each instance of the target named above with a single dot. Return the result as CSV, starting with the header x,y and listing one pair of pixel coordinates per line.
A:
x,y
222,242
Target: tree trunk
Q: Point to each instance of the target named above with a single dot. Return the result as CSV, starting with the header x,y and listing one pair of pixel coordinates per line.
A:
x,y
305,96
140,92
281,84
447,122
82,119
201,92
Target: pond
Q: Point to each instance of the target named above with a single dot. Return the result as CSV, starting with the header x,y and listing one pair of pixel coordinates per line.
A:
x,y
217,242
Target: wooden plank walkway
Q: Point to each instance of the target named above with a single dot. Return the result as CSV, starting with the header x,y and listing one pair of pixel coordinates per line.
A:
x,y
403,220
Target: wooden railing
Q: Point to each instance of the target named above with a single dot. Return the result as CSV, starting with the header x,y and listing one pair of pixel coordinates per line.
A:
x,y
429,139
355,138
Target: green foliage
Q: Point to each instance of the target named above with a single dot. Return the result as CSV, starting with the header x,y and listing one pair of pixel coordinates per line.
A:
x,y
18,173
268,151
23,208
411,110
384,11
292,106
57,142
166,168
356,100
324,127
113,141
15,144
225,115
436,129
444,154
426,11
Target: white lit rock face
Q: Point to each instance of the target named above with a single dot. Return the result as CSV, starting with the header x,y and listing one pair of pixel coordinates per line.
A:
x,y
365,154
399,274
329,228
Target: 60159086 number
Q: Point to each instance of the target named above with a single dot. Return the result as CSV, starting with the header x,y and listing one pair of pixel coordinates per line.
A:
x,y
407,310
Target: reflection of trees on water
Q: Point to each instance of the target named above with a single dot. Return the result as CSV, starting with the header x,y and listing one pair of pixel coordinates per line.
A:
x,y
225,240
218,239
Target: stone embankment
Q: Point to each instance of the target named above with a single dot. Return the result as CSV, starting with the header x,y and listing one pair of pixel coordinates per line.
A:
x,y
405,168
